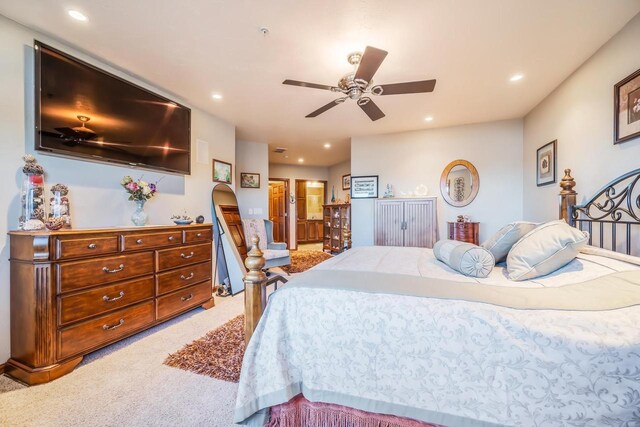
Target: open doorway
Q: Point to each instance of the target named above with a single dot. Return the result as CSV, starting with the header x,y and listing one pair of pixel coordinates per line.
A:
x,y
310,198
279,208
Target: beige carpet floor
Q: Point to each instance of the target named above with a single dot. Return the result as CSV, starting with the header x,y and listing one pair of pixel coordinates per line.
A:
x,y
127,384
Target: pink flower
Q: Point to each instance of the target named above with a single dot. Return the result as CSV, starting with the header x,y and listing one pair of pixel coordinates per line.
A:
x,y
132,186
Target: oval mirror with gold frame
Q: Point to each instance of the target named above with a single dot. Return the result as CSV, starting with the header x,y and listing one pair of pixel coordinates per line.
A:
x,y
459,183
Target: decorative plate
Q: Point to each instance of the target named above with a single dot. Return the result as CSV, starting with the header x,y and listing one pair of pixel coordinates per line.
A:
x,y
183,221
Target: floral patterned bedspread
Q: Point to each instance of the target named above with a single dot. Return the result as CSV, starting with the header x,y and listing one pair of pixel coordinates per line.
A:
x,y
441,361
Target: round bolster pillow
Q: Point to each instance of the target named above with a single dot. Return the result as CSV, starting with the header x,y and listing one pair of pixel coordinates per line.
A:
x,y
470,260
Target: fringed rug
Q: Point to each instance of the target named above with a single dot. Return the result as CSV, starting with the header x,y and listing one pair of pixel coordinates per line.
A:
x,y
304,260
218,354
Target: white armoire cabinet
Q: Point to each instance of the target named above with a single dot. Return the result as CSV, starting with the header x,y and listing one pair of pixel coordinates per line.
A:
x,y
405,222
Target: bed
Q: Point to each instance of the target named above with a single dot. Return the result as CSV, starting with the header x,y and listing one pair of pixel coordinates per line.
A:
x,y
351,342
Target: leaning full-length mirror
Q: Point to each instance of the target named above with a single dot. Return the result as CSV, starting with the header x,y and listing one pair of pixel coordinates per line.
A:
x,y
230,243
459,183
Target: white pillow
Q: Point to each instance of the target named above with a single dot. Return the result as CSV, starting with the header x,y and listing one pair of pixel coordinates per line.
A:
x,y
500,243
468,259
545,249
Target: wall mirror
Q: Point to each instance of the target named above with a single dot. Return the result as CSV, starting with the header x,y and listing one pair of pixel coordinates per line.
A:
x,y
230,243
459,183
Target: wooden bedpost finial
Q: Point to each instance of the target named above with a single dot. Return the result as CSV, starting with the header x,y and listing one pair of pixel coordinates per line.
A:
x,y
255,298
567,183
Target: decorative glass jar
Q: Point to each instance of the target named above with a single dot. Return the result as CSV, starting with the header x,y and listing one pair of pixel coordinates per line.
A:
x,y
33,206
59,207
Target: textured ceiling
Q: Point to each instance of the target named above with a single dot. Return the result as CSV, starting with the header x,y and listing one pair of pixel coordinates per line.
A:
x,y
197,47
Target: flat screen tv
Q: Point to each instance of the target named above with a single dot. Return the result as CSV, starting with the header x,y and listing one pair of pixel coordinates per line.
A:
x,y
82,111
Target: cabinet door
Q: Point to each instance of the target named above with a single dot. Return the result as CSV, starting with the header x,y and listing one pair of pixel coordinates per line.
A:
x,y
312,231
301,231
388,223
419,218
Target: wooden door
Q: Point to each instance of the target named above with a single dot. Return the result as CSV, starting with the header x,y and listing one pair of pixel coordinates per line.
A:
x,y
388,223
419,217
278,210
231,216
301,210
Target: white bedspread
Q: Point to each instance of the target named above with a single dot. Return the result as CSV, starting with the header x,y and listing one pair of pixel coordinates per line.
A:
x,y
442,361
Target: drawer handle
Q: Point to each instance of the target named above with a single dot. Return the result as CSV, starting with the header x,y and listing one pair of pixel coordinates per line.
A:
x,y
199,235
115,270
171,238
92,246
189,277
187,298
187,256
112,327
139,241
107,299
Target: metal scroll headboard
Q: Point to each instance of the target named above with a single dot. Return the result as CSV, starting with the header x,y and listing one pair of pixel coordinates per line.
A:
x,y
612,216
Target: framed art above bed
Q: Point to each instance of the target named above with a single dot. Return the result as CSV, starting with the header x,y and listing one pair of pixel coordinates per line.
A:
x,y
626,114
546,164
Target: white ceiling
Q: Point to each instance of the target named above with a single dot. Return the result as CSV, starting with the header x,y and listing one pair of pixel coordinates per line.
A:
x,y
197,47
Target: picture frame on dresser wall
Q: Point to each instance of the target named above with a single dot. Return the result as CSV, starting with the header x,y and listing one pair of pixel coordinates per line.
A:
x,y
546,164
346,182
626,104
222,172
364,187
249,180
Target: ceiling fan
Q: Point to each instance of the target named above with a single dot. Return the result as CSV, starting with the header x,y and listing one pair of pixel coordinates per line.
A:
x,y
357,84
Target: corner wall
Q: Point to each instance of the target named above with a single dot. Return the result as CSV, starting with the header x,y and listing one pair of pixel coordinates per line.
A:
x,y
252,157
97,200
579,114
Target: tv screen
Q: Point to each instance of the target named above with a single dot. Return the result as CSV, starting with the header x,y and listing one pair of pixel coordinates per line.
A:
x,y
82,111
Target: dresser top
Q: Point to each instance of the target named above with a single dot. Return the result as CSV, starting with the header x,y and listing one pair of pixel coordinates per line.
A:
x,y
73,231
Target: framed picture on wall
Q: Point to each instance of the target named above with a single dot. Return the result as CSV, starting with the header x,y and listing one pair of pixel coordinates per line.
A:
x,y
222,171
249,180
546,167
626,104
364,187
346,182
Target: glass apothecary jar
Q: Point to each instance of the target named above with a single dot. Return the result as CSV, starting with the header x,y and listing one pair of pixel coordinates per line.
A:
x,y
59,206
33,206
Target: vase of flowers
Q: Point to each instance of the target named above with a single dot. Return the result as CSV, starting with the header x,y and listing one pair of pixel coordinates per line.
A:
x,y
139,191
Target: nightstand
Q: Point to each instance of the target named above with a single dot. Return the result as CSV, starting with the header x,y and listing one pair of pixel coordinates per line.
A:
x,y
464,232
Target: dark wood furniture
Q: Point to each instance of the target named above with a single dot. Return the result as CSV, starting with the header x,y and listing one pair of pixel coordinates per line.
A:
x,y
465,232
336,230
75,291
405,222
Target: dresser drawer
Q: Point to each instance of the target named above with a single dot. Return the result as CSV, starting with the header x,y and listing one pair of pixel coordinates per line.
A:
x,y
185,276
83,247
200,235
97,301
136,242
186,255
109,327
183,299
81,274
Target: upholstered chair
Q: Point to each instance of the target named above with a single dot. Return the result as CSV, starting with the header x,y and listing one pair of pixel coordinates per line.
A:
x,y
275,253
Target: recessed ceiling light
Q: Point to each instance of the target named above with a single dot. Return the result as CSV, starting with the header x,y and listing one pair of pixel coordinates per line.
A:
x,y
77,15
327,145
300,160
428,119
516,77
216,96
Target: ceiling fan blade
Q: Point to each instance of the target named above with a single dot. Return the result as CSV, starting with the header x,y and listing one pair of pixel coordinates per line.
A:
x,y
370,108
310,85
326,107
402,88
370,62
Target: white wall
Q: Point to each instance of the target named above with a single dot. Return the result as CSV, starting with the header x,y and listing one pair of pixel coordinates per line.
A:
x,y
336,173
97,200
579,114
293,172
252,157
409,159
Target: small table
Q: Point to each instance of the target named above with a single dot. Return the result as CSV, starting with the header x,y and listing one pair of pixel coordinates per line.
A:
x,y
465,232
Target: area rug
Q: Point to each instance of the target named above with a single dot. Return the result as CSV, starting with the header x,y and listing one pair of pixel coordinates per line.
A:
x,y
304,260
218,354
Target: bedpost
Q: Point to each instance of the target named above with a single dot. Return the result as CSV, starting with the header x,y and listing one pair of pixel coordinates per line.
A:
x,y
567,196
254,290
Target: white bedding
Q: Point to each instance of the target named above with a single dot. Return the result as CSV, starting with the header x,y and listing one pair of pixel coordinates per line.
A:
x,y
442,361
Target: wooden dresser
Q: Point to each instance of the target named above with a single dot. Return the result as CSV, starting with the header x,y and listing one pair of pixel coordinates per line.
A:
x,y
465,232
75,291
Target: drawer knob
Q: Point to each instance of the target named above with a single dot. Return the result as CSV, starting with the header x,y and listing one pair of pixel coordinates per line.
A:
x,y
171,238
187,256
107,299
112,327
187,298
189,277
139,241
199,235
115,270
92,246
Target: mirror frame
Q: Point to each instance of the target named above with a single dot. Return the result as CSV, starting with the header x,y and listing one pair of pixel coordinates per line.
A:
x,y
475,184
